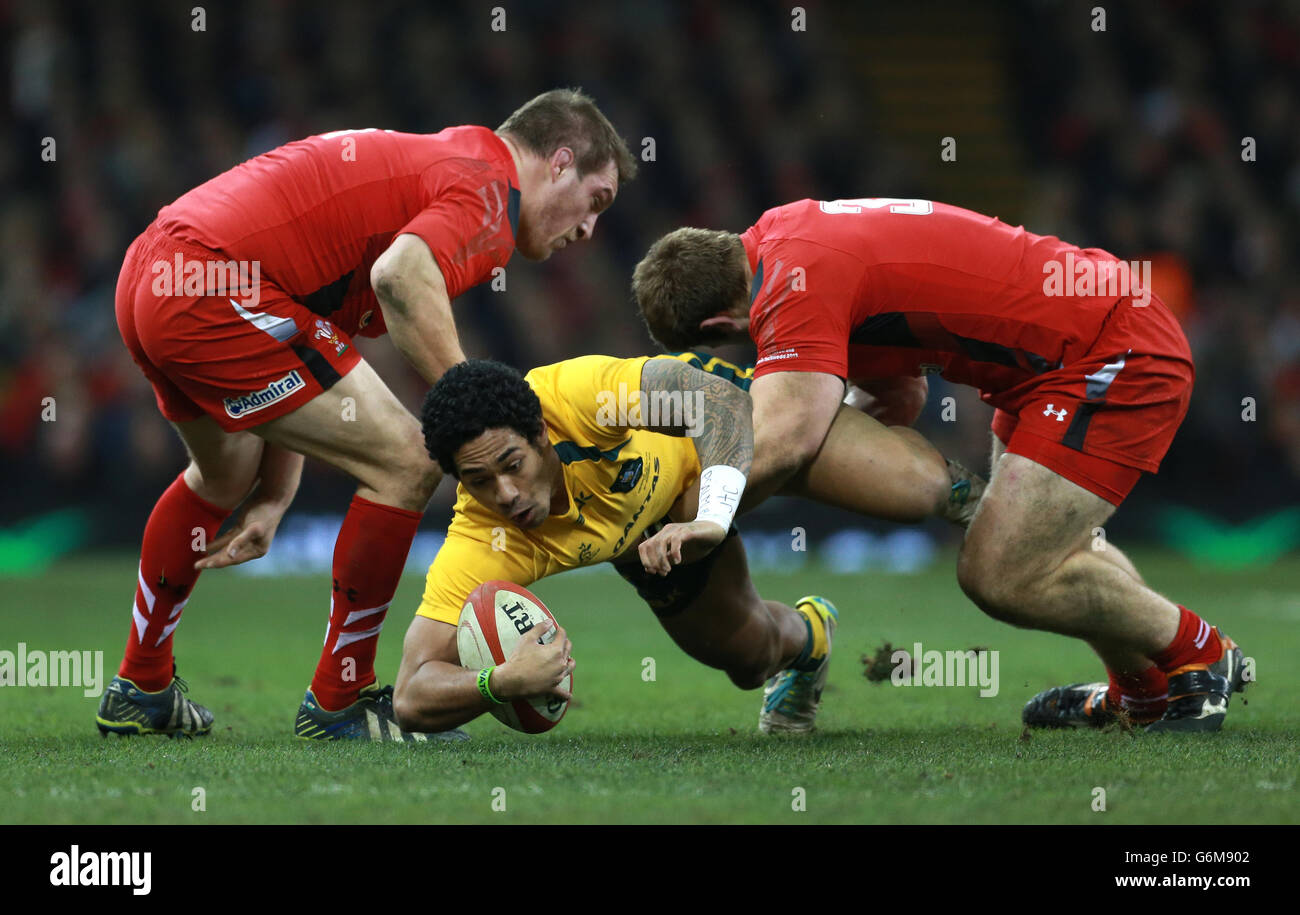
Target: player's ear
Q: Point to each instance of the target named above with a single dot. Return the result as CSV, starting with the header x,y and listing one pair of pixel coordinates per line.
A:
x,y
562,160
542,439
723,324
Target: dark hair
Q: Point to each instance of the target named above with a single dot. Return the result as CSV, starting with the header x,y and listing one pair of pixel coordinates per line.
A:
x,y
471,398
687,276
568,117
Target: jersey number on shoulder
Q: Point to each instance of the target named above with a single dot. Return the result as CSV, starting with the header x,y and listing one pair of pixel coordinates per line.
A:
x,y
895,204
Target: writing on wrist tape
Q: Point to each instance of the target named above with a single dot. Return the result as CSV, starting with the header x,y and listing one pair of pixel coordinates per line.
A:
x,y
721,487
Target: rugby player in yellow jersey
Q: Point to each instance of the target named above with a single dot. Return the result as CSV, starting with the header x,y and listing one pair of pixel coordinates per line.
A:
x,y
564,465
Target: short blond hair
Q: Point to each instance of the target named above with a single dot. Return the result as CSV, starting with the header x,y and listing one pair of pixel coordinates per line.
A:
x,y
686,277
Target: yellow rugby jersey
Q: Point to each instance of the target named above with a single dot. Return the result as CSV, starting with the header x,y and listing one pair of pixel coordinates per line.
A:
x,y
620,479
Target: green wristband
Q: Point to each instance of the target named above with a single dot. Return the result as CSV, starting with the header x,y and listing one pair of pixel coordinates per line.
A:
x,y
483,676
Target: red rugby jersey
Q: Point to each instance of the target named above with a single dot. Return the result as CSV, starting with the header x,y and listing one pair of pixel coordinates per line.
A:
x,y
316,213
881,287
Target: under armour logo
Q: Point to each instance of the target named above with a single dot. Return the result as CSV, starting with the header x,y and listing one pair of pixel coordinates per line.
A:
x,y
1059,414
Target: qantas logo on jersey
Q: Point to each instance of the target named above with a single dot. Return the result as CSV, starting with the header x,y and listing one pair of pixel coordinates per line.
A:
x,y
627,528
260,400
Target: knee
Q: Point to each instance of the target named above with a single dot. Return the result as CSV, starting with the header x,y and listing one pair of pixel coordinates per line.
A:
x,y
753,659
404,710
224,484
746,657
410,477
422,474
926,476
993,585
748,675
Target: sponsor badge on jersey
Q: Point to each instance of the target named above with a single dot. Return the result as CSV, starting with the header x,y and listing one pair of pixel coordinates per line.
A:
x,y
628,476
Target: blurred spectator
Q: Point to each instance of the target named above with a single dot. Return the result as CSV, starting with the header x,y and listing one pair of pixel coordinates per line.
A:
x,y
1134,137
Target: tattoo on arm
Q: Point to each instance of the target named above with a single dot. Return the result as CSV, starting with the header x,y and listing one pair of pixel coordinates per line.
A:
x,y
689,402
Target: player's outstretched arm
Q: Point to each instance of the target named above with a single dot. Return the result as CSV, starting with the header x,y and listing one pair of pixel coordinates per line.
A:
x,y
792,414
413,297
720,424
434,693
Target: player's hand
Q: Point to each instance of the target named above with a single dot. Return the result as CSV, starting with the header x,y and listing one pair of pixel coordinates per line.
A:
x,y
250,538
890,401
676,543
534,669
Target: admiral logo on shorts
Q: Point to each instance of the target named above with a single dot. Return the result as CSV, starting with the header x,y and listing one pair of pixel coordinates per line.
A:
x,y
260,400
182,276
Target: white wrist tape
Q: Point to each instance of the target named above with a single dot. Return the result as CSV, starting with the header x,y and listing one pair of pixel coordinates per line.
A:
x,y
721,486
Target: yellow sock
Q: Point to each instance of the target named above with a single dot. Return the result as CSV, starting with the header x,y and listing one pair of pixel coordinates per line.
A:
x,y
818,627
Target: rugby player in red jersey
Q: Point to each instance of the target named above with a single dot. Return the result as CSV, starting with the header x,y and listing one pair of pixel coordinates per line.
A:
x,y
1089,372
239,303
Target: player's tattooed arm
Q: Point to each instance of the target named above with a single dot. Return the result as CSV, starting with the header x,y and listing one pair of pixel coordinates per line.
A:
x,y
712,411
413,297
718,416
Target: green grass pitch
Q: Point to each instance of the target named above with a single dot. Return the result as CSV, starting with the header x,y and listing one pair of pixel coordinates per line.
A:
x,y
682,748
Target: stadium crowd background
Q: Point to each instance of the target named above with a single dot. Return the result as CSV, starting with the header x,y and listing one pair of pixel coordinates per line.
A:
x,y
1128,139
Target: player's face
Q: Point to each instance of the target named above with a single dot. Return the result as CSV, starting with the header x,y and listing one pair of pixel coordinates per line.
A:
x,y
566,209
508,475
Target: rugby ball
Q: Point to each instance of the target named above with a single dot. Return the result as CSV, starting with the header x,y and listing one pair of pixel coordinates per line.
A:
x,y
496,615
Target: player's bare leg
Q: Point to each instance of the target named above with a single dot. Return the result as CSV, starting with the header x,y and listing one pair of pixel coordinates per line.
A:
x,y
888,472
360,427
757,642
143,698
223,465
1027,560
728,626
1115,655
711,609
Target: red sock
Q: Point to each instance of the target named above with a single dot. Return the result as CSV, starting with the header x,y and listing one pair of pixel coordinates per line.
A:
x,y
1196,642
368,560
1143,693
166,577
